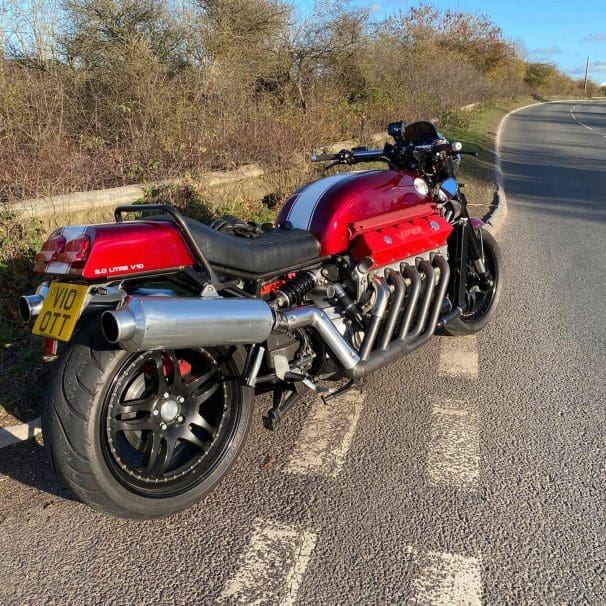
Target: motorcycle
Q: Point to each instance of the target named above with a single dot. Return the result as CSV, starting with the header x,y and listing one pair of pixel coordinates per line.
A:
x,y
173,327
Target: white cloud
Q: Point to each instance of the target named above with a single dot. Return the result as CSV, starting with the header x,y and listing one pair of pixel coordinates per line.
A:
x,y
595,67
594,38
547,51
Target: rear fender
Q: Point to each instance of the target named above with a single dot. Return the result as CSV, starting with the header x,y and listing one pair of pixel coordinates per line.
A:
x,y
136,247
122,250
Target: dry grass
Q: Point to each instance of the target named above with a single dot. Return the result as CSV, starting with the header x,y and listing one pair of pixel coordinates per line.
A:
x,y
86,105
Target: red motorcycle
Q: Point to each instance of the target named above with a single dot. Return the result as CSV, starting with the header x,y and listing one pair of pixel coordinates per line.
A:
x,y
174,327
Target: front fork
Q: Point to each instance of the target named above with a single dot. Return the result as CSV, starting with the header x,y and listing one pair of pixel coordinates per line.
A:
x,y
465,245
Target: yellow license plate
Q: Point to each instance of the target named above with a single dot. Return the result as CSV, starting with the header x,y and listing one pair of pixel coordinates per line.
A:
x,y
61,310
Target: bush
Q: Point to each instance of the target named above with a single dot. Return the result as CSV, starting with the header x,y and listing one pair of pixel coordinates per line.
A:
x,y
111,92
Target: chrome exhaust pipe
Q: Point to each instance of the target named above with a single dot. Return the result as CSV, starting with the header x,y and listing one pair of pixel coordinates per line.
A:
x,y
151,322
411,302
382,294
314,318
429,285
31,305
395,308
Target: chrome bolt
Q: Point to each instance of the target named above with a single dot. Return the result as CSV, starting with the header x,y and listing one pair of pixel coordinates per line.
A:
x,y
181,399
155,412
166,394
180,419
163,426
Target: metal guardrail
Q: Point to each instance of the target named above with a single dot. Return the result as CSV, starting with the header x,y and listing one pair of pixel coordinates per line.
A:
x,y
48,206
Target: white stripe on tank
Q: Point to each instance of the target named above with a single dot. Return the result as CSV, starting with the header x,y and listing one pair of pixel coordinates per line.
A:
x,y
302,211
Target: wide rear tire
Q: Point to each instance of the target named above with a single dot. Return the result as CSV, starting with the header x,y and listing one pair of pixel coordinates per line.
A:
x,y
147,434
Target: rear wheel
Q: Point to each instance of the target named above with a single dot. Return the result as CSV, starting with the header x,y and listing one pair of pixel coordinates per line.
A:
x,y
481,301
145,434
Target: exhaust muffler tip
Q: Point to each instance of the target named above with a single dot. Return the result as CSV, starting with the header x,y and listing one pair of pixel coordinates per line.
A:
x,y
118,325
30,306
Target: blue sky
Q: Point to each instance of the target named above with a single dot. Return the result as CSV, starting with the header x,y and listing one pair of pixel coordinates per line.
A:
x,y
564,33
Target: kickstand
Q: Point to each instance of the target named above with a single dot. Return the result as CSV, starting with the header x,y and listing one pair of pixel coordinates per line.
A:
x,y
284,398
339,390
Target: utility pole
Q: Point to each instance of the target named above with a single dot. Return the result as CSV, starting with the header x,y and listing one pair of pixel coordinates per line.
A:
x,y
586,71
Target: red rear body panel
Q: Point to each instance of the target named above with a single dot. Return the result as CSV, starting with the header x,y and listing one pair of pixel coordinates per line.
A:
x,y
135,247
118,249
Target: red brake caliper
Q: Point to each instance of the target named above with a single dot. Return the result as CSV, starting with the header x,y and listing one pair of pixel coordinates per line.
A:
x,y
167,367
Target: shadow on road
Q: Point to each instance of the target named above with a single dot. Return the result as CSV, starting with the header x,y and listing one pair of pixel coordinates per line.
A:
x,y
27,464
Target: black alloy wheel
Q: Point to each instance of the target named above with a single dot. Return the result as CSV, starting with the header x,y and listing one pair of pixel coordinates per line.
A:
x,y
143,435
167,415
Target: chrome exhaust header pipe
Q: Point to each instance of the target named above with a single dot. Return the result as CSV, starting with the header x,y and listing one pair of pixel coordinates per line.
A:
x,y
31,305
152,322
310,316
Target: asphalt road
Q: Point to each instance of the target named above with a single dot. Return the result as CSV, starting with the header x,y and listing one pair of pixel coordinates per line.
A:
x,y
472,471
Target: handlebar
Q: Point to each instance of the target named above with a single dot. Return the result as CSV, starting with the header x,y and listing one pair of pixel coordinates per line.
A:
x,y
350,156
451,148
324,157
347,156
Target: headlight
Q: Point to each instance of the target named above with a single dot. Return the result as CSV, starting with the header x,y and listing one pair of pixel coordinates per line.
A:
x,y
421,186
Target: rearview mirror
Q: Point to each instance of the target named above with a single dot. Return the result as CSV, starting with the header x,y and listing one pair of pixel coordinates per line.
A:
x,y
448,189
395,130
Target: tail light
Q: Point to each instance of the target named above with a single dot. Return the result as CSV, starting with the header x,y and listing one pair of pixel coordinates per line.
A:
x,y
76,252
64,252
50,251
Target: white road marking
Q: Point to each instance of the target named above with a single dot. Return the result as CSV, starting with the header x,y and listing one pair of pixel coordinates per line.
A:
x,y
459,357
327,436
273,566
19,433
454,450
446,579
582,123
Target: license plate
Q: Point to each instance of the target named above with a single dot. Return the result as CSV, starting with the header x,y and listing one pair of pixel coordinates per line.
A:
x,y
60,311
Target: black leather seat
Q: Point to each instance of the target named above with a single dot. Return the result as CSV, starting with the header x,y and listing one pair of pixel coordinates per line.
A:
x,y
269,253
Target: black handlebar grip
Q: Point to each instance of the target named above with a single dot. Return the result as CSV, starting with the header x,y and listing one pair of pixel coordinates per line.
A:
x,y
324,157
442,147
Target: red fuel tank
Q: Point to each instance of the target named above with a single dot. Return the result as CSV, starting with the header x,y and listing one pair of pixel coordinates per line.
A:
x,y
328,207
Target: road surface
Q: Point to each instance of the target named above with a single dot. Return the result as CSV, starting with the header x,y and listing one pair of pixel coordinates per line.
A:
x,y
472,471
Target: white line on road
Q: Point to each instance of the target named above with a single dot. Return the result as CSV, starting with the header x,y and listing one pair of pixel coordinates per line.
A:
x,y
327,436
446,579
585,125
19,433
459,357
454,450
273,566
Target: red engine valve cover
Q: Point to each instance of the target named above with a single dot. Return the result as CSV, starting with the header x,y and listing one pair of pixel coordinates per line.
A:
x,y
401,240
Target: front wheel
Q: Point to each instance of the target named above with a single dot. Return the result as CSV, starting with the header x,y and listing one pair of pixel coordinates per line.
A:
x,y
481,302
145,434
